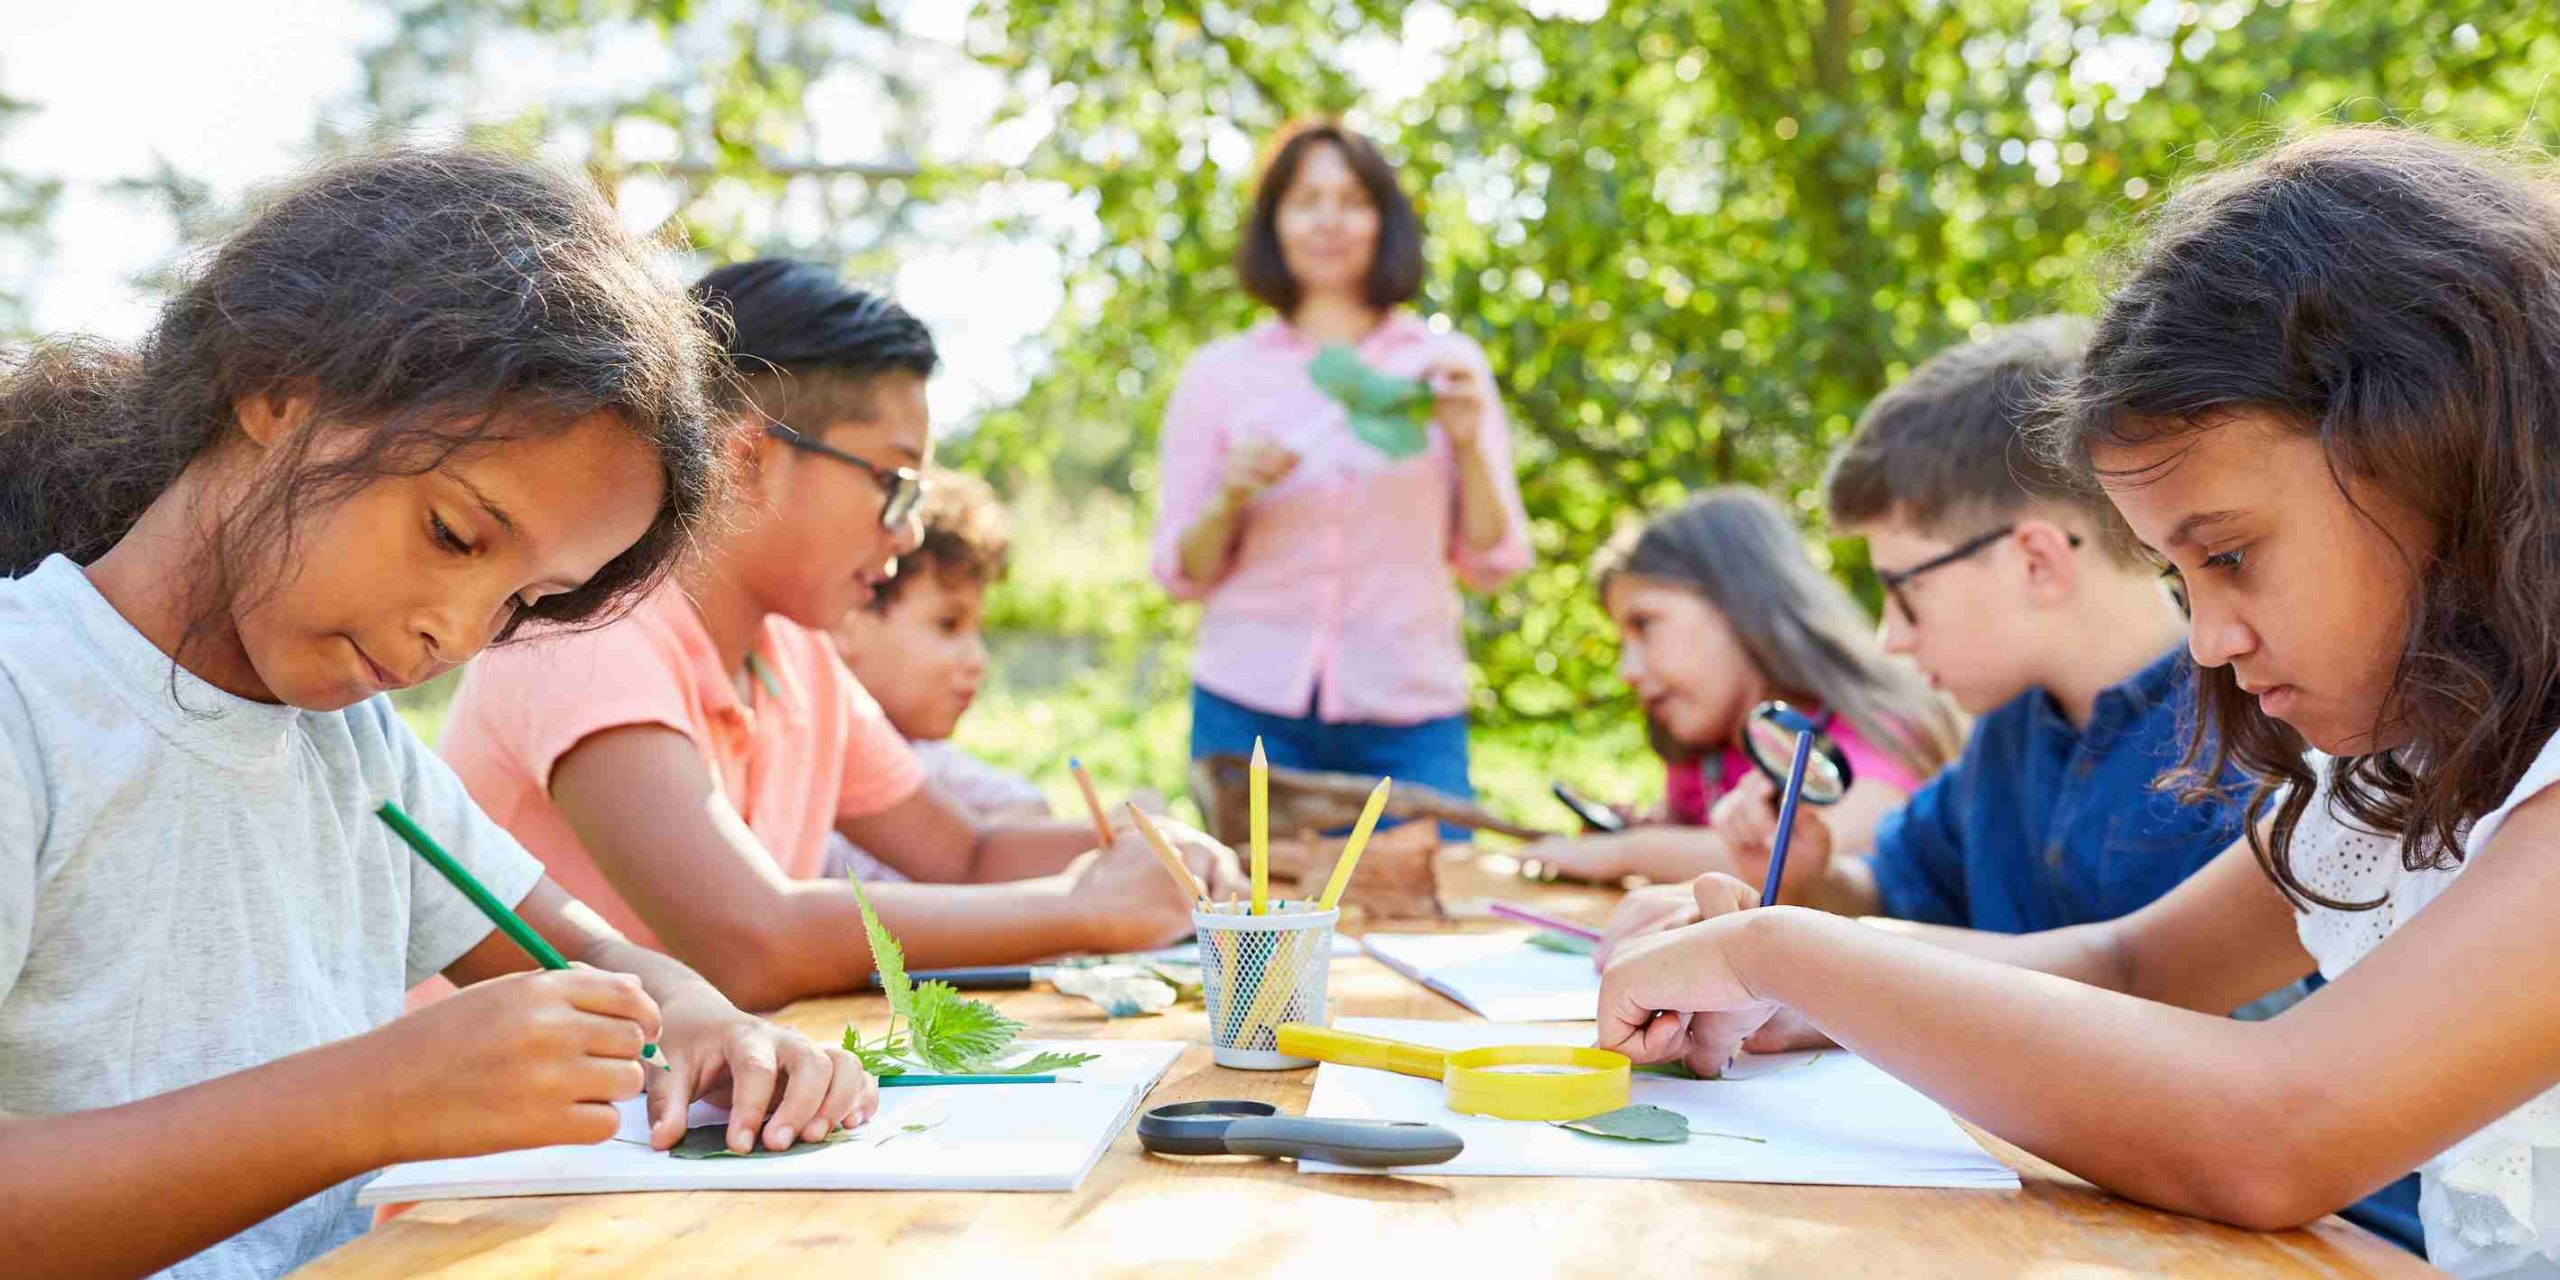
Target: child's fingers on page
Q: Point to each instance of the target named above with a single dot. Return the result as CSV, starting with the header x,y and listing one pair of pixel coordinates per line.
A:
x,y
667,1107
751,1081
804,1089
852,1095
1713,1038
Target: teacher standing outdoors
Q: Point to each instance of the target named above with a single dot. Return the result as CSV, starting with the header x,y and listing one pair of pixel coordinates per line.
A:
x,y
1330,568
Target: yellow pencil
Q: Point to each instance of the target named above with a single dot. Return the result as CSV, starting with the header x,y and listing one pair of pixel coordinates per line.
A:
x,y
1259,789
1164,853
1092,802
1359,840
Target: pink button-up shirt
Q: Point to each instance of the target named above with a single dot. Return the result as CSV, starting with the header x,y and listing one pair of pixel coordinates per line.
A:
x,y
1339,588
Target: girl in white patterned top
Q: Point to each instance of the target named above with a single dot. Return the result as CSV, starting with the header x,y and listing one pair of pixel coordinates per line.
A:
x,y
2328,394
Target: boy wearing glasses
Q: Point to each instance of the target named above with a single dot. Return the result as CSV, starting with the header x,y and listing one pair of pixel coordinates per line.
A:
x,y
2027,601
683,768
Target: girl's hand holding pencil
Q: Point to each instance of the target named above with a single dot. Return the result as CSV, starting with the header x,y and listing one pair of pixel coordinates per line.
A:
x,y
1677,995
527,1060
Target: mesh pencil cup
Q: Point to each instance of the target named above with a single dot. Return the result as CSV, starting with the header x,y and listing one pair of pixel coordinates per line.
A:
x,y
1257,972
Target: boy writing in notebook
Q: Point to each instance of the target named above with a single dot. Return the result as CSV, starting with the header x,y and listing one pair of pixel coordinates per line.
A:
x,y
684,766
2027,600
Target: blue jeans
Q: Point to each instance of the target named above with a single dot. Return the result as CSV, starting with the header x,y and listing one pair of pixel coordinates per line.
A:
x,y
1433,753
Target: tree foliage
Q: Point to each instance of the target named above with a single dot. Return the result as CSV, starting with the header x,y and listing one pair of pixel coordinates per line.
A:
x,y
1695,236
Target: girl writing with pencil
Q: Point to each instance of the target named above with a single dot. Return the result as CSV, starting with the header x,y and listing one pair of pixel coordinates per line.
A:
x,y
1719,609
2328,397
1329,558
420,403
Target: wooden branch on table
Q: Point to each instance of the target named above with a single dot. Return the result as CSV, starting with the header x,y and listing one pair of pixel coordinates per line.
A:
x,y
1305,799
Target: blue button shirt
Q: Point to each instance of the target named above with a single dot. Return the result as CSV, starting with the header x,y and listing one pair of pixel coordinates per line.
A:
x,y
2039,825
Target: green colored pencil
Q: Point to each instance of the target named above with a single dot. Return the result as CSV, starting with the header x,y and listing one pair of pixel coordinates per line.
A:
x,y
508,922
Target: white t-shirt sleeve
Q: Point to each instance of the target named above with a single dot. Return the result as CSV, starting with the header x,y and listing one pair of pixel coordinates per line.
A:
x,y
442,922
22,826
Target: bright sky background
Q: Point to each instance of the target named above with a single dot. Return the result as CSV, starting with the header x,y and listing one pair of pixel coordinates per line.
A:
x,y
119,84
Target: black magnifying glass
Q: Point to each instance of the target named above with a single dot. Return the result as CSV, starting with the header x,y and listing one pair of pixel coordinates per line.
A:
x,y
1817,770
1235,1127
1770,739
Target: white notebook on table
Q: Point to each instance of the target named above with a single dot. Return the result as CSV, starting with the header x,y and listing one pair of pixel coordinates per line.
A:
x,y
1004,1137
1498,975
1826,1118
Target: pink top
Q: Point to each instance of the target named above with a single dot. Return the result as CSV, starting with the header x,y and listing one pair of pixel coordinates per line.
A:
x,y
1340,580
1690,791
809,749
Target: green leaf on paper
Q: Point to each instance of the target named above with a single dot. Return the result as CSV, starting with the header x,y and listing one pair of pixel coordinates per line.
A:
x,y
946,1032
711,1142
1644,1122
1567,943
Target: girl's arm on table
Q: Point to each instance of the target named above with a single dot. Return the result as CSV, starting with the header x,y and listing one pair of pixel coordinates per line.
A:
x,y
2450,1023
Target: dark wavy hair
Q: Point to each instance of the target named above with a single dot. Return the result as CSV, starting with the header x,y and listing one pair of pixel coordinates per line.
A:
x,y
2395,296
431,301
1395,261
1735,547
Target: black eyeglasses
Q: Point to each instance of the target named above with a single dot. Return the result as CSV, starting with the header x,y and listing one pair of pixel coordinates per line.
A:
x,y
1896,582
2176,582
901,489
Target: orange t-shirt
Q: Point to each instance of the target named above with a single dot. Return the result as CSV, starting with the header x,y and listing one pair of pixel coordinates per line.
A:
x,y
810,748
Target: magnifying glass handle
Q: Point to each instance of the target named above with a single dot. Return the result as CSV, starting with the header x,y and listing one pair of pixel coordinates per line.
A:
x,y
1351,1049
1787,818
1366,1144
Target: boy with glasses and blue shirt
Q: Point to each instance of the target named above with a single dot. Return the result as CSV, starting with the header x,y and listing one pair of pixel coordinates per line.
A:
x,y
2026,600
686,766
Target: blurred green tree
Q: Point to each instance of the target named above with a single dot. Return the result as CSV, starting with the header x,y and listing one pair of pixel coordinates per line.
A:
x,y
1695,235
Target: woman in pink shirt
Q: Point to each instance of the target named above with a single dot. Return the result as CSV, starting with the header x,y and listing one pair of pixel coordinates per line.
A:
x,y
1329,566
1718,608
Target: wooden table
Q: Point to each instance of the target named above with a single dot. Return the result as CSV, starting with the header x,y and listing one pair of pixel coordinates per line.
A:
x,y
1141,1215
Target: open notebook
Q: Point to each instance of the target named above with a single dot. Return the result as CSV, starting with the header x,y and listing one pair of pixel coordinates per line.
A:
x,y
1499,975
1826,1118
1023,1137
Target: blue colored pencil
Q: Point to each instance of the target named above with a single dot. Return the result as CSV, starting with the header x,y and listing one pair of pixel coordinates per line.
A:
x,y
1787,812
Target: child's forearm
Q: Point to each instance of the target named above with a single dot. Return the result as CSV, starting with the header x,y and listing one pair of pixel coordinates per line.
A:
x,y
818,948
1847,888
128,1190
2174,1108
1022,850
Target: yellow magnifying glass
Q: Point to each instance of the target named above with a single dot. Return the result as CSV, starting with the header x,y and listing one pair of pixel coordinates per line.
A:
x,y
1507,1082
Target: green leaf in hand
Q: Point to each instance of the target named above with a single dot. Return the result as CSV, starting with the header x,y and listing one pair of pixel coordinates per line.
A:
x,y
1384,410
711,1142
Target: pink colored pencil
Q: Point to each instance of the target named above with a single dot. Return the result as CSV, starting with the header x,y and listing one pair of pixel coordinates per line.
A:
x,y
1526,916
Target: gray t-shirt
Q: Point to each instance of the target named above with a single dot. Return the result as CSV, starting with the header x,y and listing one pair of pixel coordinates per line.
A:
x,y
195,886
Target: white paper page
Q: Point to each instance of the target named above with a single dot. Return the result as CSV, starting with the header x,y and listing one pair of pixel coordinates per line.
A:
x,y
1499,975
1829,1118
1014,1137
